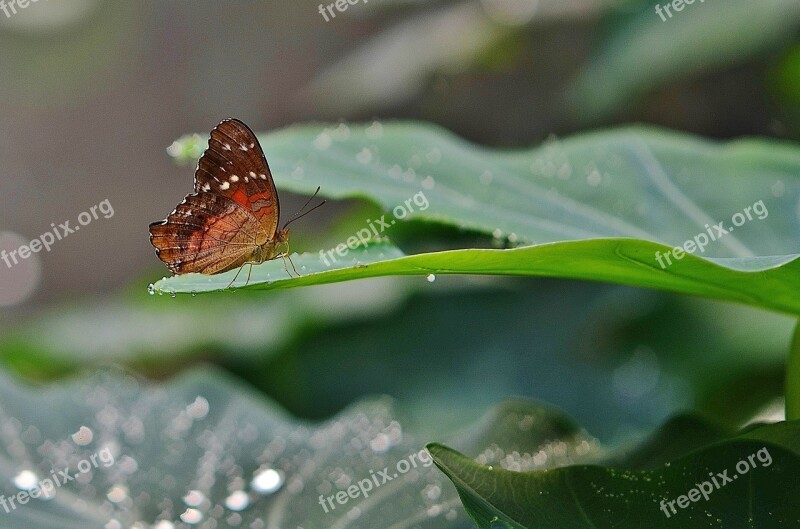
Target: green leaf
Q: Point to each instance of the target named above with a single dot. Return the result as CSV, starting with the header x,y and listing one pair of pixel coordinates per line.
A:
x,y
793,377
199,447
597,206
758,491
65,339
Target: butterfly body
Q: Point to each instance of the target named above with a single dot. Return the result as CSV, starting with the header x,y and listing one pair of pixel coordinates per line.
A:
x,y
232,217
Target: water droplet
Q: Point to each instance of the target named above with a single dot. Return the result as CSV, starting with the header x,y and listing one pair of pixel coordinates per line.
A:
x,y
25,480
173,294
117,494
194,498
237,501
267,481
374,131
594,178
198,409
434,511
497,524
151,289
432,492
434,156
194,293
364,156
83,436
342,132
164,524
428,183
113,524
381,443
323,141
192,516
431,278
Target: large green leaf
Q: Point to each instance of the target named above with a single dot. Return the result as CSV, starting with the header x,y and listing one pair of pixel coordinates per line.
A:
x,y
597,206
201,448
759,489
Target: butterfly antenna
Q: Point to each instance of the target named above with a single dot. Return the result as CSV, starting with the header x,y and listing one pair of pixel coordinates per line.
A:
x,y
300,213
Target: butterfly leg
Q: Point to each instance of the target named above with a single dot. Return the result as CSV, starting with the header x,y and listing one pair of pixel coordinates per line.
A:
x,y
286,256
292,263
249,271
283,258
236,276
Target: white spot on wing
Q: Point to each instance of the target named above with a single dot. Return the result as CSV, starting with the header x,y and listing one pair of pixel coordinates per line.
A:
x,y
226,146
252,174
234,178
224,186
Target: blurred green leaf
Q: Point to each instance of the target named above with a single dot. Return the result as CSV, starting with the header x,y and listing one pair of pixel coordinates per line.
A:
x,y
200,448
64,339
645,51
637,492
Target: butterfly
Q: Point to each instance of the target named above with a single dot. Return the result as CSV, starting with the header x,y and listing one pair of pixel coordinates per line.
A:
x,y
232,217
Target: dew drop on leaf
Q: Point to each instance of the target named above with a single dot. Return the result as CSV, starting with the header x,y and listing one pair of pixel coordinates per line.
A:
x,y
237,501
192,516
117,494
25,480
83,436
194,498
365,156
267,481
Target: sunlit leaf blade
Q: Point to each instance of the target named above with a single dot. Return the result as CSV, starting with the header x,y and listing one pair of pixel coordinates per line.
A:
x,y
775,288
603,198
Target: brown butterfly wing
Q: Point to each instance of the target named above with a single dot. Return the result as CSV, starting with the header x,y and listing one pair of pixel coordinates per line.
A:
x,y
206,233
234,166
